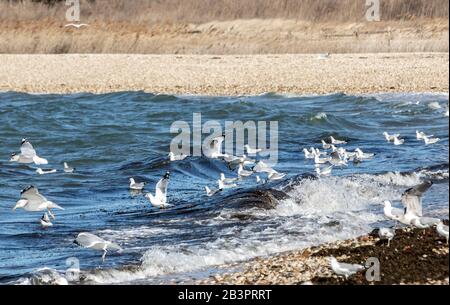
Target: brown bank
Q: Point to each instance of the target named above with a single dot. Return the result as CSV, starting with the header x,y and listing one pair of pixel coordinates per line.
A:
x,y
414,257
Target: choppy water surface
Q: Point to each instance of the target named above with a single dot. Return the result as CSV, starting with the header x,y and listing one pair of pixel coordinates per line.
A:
x,y
112,137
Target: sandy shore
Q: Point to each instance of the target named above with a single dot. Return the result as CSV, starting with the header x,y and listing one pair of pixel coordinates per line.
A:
x,y
414,257
226,75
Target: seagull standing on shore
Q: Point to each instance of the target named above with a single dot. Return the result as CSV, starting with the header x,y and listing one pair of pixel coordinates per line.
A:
x,y
344,269
386,234
159,200
91,241
27,155
136,186
442,230
32,201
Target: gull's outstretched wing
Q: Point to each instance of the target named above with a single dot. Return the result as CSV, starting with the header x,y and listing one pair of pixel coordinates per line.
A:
x,y
27,150
412,198
31,194
89,240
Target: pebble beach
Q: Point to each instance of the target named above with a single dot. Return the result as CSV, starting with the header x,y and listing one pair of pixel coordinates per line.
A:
x,y
226,75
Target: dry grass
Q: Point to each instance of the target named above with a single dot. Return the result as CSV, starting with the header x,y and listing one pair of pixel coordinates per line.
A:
x,y
225,27
201,11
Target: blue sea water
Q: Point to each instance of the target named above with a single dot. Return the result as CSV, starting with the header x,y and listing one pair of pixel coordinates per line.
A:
x,y
109,138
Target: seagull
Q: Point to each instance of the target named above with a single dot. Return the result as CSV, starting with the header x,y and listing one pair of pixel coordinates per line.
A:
x,y
210,192
259,180
392,213
252,151
434,105
45,221
41,171
76,25
429,141
214,150
309,155
136,186
442,230
68,169
173,157
345,269
32,201
323,56
361,155
242,172
159,200
227,180
318,160
386,234
27,155
223,185
412,200
336,160
398,141
262,167
90,241
324,172
325,145
420,135
390,138
337,142
274,175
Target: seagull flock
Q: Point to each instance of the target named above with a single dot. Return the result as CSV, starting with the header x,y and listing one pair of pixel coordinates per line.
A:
x,y
410,215
32,201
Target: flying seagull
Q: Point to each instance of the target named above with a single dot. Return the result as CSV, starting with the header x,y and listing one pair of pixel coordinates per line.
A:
x,y
90,241
76,25
32,201
27,155
159,200
412,199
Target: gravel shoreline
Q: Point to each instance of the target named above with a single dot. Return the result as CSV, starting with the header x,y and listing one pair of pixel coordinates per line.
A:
x,y
226,75
414,257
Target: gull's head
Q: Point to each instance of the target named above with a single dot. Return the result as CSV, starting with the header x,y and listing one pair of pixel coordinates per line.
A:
x,y
333,261
132,180
171,154
222,176
24,140
318,170
66,165
221,184
20,204
387,204
167,175
358,150
246,146
14,157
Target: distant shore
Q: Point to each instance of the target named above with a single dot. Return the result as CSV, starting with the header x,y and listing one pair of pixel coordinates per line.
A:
x,y
226,75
